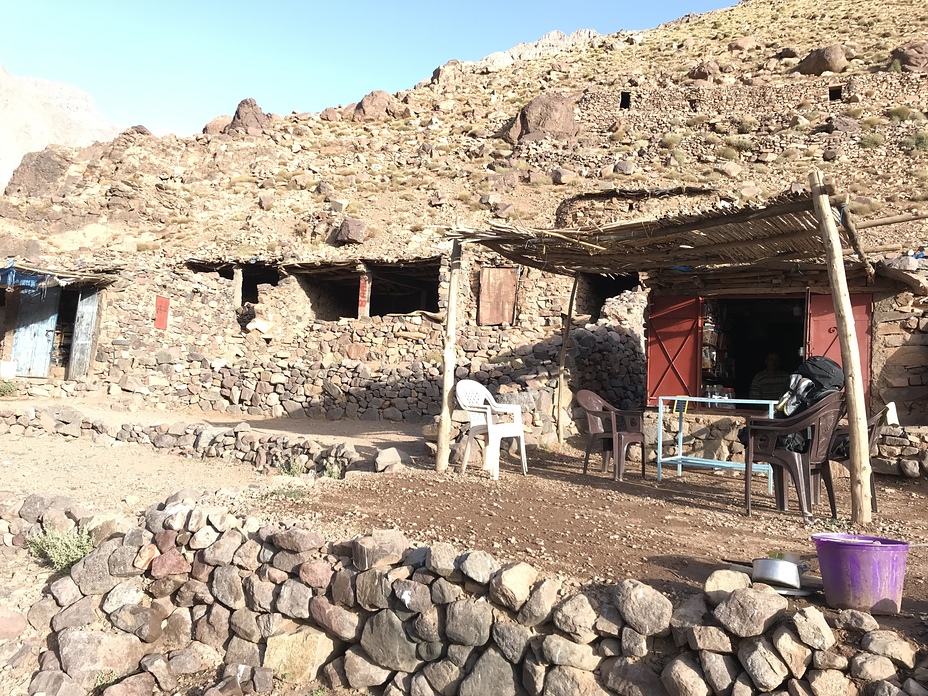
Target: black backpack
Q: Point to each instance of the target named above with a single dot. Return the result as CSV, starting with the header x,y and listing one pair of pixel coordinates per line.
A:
x,y
812,381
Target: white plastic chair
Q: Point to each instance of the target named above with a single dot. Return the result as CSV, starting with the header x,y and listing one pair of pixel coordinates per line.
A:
x,y
482,410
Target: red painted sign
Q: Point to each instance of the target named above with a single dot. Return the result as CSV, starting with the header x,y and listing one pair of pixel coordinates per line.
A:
x,y
162,305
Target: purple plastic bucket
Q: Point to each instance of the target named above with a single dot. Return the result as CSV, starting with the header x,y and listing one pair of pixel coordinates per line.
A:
x,y
862,572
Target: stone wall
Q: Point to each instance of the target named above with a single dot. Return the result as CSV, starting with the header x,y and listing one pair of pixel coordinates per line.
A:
x,y
382,368
194,589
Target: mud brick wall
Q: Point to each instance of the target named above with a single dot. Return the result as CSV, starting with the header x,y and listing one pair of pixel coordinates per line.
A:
x,y
191,587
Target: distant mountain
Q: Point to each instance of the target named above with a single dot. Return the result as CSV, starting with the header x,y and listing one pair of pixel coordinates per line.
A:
x,y
36,113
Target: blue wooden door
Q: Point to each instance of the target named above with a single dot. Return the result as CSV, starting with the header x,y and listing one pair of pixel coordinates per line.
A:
x,y
35,331
85,323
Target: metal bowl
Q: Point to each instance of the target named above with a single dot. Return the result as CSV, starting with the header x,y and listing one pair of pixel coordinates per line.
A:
x,y
775,571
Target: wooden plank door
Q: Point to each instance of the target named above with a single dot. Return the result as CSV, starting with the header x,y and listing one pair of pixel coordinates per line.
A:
x,y
85,323
498,287
674,347
35,331
822,336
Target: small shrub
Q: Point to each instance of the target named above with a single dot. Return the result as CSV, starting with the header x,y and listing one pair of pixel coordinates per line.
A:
x,y
853,112
746,124
62,550
671,140
741,144
333,470
105,678
7,389
895,66
696,120
869,141
291,466
919,141
904,113
728,153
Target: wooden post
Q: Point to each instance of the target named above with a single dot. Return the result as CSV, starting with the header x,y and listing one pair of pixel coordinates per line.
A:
x,y
562,390
237,287
443,456
364,294
850,355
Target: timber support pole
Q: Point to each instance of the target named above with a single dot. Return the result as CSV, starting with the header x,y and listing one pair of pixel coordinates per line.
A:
x,y
562,391
861,505
443,456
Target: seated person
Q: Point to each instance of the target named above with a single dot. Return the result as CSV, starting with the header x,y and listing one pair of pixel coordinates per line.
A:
x,y
771,382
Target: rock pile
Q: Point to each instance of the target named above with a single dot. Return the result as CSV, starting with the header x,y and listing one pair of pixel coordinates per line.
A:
x,y
195,588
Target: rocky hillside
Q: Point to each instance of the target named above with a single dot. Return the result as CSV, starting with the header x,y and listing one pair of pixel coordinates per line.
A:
x,y
36,113
747,99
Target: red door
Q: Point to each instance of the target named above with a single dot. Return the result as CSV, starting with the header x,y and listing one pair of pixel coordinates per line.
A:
x,y
822,338
674,360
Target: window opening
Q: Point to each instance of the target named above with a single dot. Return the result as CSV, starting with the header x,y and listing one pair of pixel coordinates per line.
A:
x,y
600,288
404,289
625,100
835,92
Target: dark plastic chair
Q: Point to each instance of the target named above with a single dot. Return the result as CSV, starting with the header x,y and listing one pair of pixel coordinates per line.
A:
x,y
873,433
822,419
613,429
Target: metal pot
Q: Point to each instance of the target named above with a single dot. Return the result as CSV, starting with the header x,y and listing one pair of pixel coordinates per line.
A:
x,y
775,571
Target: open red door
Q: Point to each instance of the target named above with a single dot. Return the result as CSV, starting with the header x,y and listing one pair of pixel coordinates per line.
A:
x,y
674,345
822,335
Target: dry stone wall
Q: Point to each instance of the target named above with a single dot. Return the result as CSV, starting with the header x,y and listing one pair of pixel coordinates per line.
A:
x,y
194,589
382,368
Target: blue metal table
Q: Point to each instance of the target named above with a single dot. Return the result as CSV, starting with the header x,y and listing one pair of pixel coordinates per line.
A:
x,y
680,459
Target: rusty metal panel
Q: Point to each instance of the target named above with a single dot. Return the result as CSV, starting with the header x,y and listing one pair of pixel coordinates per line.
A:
x,y
823,331
498,287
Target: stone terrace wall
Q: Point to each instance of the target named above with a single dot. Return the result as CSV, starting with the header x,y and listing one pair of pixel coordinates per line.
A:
x,y
193,588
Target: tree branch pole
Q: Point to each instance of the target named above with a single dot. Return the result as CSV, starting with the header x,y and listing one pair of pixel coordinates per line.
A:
x,y
562,390
443,456
861,510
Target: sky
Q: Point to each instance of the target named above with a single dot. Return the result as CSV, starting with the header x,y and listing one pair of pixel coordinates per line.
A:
x,y
173,65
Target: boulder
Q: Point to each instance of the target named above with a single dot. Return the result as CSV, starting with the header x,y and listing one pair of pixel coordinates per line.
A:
x,y
890,644
719,671
217,125
297,657
913,56
361,672
576,617
537,609
341,623
351,231
511,585
551,115
376,106
762,663
248,118
381,548
813,630
820,60
830,682
384,639
491,674
792,650
631,678
870,667
642,607
560,651
562,680
704,71
468,622
479,566
722,583
750,612
682,676
85,654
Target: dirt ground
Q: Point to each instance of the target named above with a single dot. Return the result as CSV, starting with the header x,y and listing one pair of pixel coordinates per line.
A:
x,y
587,528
